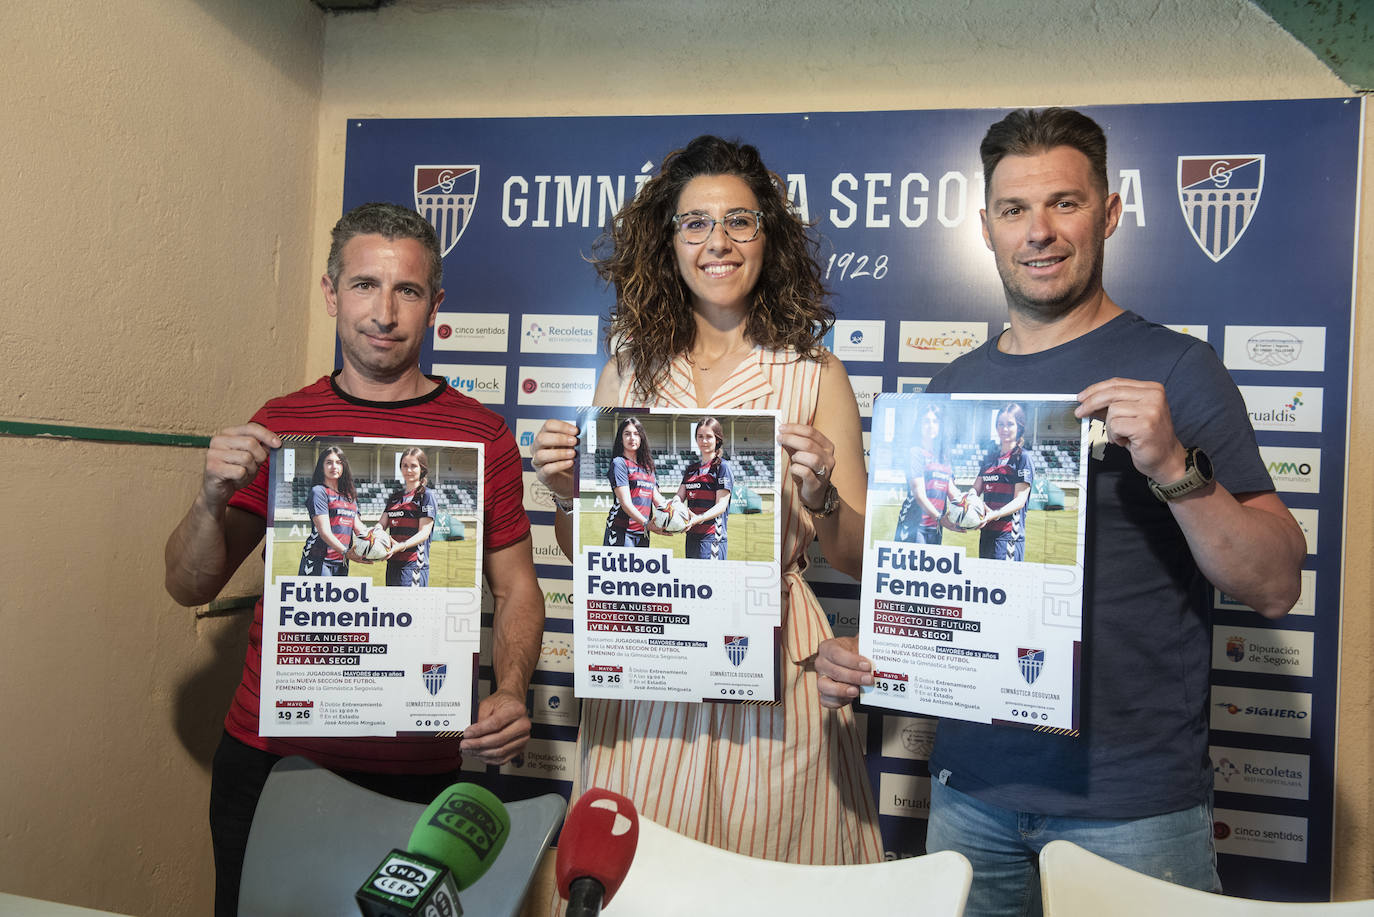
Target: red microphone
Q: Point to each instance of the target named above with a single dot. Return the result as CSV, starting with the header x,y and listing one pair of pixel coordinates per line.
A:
x,y
595,850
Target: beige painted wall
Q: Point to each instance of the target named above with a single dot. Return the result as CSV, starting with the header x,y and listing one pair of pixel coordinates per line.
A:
x,y
607,57
186,158
157,164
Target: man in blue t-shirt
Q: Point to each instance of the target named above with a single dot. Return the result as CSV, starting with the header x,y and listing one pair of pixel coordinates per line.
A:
x,y
1177,496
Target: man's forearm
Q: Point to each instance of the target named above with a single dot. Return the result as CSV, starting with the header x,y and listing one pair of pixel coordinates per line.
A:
x,y
195,556
1248,547
517,636
517,615
212,539
205,549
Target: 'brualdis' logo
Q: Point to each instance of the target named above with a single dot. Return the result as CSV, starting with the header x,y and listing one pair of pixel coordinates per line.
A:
x,y
446,196
1219,196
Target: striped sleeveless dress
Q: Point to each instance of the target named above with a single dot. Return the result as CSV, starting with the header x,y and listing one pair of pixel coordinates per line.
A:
x,y
782,781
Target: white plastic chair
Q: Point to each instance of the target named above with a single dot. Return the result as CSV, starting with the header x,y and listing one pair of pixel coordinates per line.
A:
x,y
675,875
316,837
19,906
1077,883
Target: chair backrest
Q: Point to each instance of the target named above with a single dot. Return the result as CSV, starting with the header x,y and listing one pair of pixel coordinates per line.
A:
x,y
1077,883
675,875
20,906
316,837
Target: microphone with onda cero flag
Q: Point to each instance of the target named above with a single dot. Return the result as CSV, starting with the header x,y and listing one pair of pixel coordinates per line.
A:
x,y
595,850
455,841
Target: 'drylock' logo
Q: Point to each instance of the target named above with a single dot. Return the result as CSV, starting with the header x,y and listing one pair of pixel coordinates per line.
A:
x,y
446,196
1219,196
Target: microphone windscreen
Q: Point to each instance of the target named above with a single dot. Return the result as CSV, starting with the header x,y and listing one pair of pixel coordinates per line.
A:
x,y
598,841
464,828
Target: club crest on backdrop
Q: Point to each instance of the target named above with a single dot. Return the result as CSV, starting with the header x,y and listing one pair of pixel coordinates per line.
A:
x,y
1219,196
446,196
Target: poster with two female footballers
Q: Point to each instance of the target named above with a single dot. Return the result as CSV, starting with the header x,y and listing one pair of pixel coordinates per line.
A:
x,y
972,596
372,604
677,539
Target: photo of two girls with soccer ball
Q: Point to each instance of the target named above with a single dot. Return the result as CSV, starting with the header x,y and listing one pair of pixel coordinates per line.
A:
x,y
398,513
702,484
1000,476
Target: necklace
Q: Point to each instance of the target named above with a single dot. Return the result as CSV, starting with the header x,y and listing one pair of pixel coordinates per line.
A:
x,y
719,358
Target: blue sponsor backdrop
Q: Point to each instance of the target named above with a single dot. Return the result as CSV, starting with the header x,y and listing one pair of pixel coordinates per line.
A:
x,y
895,199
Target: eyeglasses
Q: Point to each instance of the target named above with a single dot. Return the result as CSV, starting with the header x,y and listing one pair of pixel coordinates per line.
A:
x,y
740,225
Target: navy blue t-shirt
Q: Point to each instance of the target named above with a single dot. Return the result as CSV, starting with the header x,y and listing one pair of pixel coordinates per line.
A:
x,y
1146,634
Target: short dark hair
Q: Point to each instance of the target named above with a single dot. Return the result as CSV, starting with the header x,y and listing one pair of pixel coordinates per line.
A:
x,y
390,221
1026,132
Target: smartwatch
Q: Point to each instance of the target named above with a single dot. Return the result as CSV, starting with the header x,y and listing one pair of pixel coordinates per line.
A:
x,y
1197,475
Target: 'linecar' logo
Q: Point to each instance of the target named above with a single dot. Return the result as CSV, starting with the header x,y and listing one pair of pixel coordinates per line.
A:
x,y
1219,196
446,196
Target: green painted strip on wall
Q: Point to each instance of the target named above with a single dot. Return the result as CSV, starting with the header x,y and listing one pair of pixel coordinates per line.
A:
x,y
102,435
231,605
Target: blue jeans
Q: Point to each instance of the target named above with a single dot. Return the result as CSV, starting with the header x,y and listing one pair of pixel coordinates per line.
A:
x,y
1004,847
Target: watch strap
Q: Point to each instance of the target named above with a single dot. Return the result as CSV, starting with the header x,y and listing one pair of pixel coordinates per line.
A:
x,y
829,505
1194,478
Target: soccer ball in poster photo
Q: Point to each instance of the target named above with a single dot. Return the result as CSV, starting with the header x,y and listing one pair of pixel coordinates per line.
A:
x,y
373,545
966,511
673,517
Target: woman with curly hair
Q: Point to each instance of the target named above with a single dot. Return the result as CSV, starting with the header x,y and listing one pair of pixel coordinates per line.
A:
x,y
720,305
